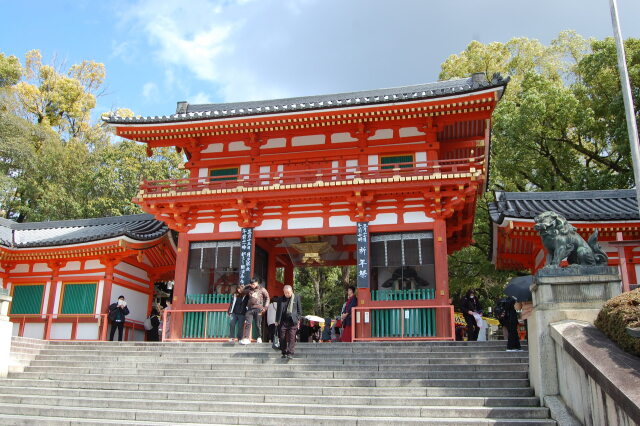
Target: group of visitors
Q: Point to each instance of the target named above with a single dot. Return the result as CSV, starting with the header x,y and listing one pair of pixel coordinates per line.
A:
x,y
506,315
284,318
119,310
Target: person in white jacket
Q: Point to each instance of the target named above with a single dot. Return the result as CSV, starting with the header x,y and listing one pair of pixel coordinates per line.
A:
x,y
271,322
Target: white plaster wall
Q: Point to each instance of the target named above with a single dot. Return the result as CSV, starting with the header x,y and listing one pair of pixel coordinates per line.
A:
x,y
87,331
137,301
421,156
213,147
410,131
307,140
61,330
202,228
385,219
416,217
98,306
382,134
131,280
71,266
56,303
41,267
238,146
35,330
342,137
275,143
132,270
45,297
20,268
244,169
136,335
305,222
93,264
270,225
229,227
203,172
338,221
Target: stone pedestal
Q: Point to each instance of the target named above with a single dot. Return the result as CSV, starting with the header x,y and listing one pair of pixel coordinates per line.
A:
x,y
6,329
572,293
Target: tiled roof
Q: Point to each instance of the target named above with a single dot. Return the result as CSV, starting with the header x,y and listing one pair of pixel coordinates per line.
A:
x,y
588,206
141,227
186,112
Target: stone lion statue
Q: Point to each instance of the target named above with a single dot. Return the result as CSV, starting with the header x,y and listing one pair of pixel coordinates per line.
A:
x,y
562,241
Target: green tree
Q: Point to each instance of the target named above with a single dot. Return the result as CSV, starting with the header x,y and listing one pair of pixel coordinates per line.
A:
x,y
55,164
322,289
560,126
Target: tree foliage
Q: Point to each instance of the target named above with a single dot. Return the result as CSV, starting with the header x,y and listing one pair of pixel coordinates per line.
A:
x,y
322,289
56,164
560,126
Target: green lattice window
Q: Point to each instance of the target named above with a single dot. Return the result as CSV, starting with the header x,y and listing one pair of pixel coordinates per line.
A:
x,y
230,173
79,299
401,161
27,299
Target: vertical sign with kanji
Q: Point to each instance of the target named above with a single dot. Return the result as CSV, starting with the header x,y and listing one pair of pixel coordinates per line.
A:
x,y
362,256
246,248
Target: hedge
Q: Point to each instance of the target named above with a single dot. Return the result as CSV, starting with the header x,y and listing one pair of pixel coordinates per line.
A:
x,y
616,315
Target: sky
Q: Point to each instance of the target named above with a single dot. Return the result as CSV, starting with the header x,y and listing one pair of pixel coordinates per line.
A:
x,y
159,52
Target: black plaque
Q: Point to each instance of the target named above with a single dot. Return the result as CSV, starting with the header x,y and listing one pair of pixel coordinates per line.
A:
x,y
246,248
362,254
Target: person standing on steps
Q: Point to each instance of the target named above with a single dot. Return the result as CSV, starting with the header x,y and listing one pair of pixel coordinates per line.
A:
x,y
271,323
153,334
345,316
469,307
511,323
288,317
257,304
236,311
117,313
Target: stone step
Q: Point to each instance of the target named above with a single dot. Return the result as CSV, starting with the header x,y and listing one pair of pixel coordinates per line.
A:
x,y
273,373
342,382
289,366
11,394
19,420
281,414
238,357
288,405
272,389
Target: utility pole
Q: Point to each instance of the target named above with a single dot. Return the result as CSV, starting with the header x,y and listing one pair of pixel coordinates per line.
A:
x,y
628,99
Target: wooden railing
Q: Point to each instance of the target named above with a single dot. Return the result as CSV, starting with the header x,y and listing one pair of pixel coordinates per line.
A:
x,y
48,320
365,174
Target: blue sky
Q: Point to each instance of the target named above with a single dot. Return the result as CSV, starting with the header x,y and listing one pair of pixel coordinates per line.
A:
x,y
159,52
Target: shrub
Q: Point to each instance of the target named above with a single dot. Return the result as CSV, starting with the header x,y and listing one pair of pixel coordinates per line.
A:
x,y
616,315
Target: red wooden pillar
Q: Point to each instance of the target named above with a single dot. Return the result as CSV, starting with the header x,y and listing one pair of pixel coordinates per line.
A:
x,y
288,275
55,272
179,285
273,286
443,318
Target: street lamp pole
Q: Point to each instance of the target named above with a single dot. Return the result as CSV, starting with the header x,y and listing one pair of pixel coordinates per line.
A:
x,y
628,99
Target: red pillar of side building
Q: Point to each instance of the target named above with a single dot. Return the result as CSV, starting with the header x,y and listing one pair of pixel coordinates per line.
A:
x,y
444,319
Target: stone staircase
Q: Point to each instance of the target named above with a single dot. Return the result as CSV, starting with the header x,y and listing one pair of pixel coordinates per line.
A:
x,y
135,383
23,351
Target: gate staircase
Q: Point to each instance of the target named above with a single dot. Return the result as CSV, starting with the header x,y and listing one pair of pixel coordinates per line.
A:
x,y
137,383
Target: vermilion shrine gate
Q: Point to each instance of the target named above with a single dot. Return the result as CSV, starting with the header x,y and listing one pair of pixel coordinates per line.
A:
x,y
281,183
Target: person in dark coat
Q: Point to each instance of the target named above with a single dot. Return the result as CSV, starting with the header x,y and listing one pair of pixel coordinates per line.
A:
x,y
236,311
469,306
153,335
351,303
288,318
511,324
117,313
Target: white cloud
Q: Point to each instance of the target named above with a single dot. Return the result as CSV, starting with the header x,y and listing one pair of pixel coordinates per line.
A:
x,y
150,91
200,98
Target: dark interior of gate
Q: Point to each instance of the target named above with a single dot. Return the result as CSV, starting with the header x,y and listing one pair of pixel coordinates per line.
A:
x,y
401,268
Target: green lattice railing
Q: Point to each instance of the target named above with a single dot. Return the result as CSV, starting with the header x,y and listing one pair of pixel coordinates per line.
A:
x,y
208,298
419,294
419,322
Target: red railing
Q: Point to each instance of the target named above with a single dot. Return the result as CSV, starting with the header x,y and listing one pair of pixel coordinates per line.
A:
x,y
49,320
441,316
345,175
